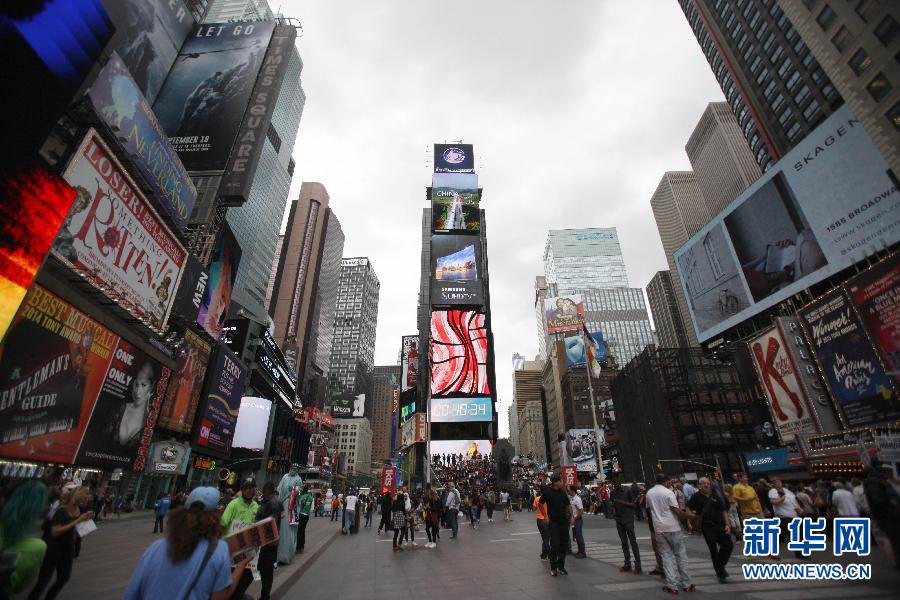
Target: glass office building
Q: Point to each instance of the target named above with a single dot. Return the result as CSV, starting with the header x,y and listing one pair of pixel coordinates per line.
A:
x,y
583,258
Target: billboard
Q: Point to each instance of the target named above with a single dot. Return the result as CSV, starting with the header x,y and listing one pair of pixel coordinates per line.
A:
x,y
115,239
876,293
168,457
409,362
862,390
201,105
127,408
455,261
121,106
824,206
576,353
450,158
222,402
461,410
183,394
414,431
468,448
252,423
189,296
345,405
776,370
223,268
581,446
34,204
459,353
564,313
388,479
52,364
454,202
148,36
767,461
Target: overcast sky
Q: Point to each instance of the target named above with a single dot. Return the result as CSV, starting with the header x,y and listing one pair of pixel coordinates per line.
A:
x,y
575,109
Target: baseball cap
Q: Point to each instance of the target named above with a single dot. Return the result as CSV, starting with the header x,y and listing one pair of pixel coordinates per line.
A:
x,y
206,496
249,482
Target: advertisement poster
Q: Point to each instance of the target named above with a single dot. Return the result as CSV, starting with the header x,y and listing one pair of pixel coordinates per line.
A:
x,y
576,353
569,476
183,394
454,202
168,457
449,158
826,205
409,362
388,479
252,423
459,353
35,202
581,446
455,260
114,237
120,104
345,405
127,408
222,402
52,364
148,36
862,390
468,448
190,292
787,400
564,313
202,104
876,293
223,268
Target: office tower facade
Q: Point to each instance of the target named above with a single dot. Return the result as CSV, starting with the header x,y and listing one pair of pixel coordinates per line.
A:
x,y
531,431
576,259
540,294
223,11
720,157
354,441
773,84
526,405
304,290
385,383
513,422
857,44
670,328
680,211
621,315
275,262
355,319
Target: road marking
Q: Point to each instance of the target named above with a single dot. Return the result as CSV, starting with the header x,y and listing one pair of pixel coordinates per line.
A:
x,y
379,541
506,540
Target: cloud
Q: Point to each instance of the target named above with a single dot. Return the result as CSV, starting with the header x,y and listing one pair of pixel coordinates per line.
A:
x,y
575,109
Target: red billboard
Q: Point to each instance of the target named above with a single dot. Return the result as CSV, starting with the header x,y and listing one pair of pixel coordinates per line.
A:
x,y
459,353
876,293
388,479
569,475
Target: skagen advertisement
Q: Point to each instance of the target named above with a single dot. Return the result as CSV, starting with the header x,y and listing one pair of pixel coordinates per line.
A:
x,y
222,402
455,202
876,293
455,260
52,364
862,390
121,426
203,101
116,240
824,206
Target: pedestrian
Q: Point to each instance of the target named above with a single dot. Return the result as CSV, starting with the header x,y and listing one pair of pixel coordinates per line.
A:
x,y
805,502
642,505
624,504
884,504
398,520
60,536
159,510
664,509
302,506
472,504
452,504
784,505
192,561
490,498
412,521
576,507
748,500
557,502
19,537
370,510
688,490
432,518
714,524
350,501
842,500
507,505
859,495
386,502
335,507
270,506
762,491
239,514
543,525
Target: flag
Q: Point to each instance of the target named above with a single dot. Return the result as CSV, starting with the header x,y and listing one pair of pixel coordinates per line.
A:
x,y
596,351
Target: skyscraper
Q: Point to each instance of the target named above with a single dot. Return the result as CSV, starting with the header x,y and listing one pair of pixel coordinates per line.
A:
x,y
304,290
355,319
223,11
774,85
275,262
540,293
385,381
670,328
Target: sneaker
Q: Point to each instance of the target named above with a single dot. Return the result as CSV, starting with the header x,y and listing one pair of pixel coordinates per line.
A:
x,y
689,588
414,544
636,570
563,571
657,572
669,590
554,572
624,569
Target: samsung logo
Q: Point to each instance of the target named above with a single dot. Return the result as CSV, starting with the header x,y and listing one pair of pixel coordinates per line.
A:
x,y
454,156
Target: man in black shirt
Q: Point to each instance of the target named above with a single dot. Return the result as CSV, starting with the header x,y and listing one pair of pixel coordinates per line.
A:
x,y
713,516
557,502
624,503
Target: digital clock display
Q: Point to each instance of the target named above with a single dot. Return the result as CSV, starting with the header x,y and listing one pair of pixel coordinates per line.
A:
x,y
456,410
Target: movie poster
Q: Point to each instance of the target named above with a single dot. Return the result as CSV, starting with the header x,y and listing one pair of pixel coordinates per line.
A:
x,y
183,394
876,293
564,313
581,446
121,426
223,268
863,392
222,402
409,363
52,364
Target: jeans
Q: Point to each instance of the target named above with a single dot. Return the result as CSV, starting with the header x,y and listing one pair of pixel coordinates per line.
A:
x,y
490,511
349,516
473,517
301,532
626,536
720,547
452,520
334,514
578,531
399,534
559,544
544,528
368,518
158,524
266,576
674,558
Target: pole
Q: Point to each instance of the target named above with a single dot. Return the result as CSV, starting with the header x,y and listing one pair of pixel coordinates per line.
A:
x,y
587,367
428,441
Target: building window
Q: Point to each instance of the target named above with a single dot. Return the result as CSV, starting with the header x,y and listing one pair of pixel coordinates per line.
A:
x,y
801,95
793,80
893,116
784,116
879,87
860,62
713,256
810,111
793,131
826,18
887,30
777,102
841,39
867,9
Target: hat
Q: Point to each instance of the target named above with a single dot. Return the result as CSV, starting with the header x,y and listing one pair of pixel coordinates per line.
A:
x,y
208,497
555,477
249,482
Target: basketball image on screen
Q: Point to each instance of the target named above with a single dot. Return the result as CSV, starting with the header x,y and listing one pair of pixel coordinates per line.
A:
x,y
459,353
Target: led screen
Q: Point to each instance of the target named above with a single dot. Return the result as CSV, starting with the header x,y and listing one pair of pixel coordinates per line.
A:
x,y
459,353
461,410
468,448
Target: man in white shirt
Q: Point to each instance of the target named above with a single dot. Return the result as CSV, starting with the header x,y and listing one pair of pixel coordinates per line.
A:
x,y
507,509
664,510
349,510
843,501
577,507
784,503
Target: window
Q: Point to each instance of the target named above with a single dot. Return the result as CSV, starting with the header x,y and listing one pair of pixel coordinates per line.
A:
x,y
777,102
762,76
712,254
784,66
810,111
755,64
867,9
810,4
801,95
879,87
887,30
768,43
776,54
784,116
826,18
893,116
761,155
793,131
860,62
767,93
841,39
793,80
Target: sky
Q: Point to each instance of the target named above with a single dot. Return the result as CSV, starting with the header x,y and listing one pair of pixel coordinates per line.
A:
x,y
575,109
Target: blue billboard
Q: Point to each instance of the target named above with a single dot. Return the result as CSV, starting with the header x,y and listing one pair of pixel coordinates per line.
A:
x,y
576,356
767,461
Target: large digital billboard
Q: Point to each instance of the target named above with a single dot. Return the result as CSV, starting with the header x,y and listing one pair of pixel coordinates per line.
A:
x,y
409,362
459,353
455,263
115,239
183,394
222,402
824,206
564,313
454,202
876,293
461,410
223,268
468,448
201,105
454,158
